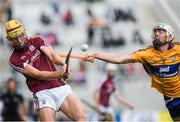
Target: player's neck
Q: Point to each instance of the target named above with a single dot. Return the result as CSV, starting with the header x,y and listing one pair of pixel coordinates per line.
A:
x,y
164,48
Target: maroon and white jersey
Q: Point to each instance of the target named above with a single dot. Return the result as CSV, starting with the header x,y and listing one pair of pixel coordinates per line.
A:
x,y
33,55
106,88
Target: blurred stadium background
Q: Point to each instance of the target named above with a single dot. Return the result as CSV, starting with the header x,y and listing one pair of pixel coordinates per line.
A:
x,y
120,26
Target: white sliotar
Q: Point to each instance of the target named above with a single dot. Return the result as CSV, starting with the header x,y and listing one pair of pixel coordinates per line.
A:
x,y
84,47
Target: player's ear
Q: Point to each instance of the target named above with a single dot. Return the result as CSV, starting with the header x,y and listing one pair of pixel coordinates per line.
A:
x,y
169,38
7,37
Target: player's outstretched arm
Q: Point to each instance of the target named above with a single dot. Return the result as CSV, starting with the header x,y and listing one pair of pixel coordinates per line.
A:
x,y
124,102
76,56
32,72
109,57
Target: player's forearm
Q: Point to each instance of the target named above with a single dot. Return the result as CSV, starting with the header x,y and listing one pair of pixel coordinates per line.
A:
x,y
30,71
124,102
43,75
96,99
47,75
113,58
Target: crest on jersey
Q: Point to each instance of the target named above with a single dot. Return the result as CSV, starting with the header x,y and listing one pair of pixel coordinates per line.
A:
x,y
32,48
173,58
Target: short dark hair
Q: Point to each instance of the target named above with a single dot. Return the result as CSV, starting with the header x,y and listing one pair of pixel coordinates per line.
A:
x,y
11,79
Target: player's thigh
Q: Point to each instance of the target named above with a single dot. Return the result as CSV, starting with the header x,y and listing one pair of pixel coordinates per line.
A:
x,y
73,107
46,114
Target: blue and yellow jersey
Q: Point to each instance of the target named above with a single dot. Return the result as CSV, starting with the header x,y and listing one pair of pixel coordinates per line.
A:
x,y
163,67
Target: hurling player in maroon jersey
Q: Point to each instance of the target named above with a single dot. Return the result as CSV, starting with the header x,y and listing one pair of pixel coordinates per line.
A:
x,y
106,88
35,59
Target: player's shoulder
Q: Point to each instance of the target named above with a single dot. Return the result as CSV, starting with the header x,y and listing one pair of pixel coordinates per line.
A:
x,y
176,43
37,37
14,57
148,48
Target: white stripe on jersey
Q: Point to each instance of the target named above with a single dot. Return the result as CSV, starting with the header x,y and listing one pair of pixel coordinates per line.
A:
x,y
19,69
101,82
46,43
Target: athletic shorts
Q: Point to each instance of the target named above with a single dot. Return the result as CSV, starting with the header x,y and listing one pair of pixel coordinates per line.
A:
x,y
51,98
103,110
173,105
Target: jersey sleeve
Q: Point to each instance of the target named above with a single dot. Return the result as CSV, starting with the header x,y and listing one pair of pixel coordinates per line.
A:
x,y
17,65
139,56
101,83
41,42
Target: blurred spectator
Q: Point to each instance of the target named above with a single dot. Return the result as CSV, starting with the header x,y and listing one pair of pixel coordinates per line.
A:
x,y
130,16
103,93
45,18
106,36
94,24
51,37
90,31
1,106
108,40
1,109
7,9
1,30
80,75
89,12
131,69
1,40
14,107
92,1
32,113
55,4
68,18
1,15
118,14
137,37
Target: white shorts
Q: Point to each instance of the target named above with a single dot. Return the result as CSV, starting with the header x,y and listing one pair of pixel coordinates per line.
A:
x,y
108,109
52,98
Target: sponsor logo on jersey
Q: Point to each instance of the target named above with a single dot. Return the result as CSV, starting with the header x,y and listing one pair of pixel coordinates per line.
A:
x,y
164,69
35,56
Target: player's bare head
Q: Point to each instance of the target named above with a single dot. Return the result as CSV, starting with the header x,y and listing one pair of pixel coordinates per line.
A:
x,y
15,33
11,85
111,69
162,33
